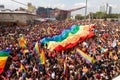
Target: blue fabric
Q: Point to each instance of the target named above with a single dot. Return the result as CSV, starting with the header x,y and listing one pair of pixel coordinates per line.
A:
x,y
62,36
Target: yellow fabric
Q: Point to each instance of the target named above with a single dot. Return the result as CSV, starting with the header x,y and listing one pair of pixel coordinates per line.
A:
x,y
26,51
110,53
22,42
22,67
42,57
4,58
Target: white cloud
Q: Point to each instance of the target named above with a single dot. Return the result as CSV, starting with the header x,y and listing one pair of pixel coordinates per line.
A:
x,y
77,5
60,6
12,5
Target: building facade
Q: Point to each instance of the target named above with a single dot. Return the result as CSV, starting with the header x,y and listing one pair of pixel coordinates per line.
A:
x,y
109,9
2,7
18,18
106,8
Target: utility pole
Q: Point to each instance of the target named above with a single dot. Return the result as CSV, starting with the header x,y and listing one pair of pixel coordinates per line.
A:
x,y
86,10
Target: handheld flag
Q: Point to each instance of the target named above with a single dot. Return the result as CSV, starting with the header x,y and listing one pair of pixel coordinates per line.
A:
x,y
22,67
22,42
85,56
3,58
42,57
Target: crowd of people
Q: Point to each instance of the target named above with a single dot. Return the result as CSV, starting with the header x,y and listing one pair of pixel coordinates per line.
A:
x,y
104,47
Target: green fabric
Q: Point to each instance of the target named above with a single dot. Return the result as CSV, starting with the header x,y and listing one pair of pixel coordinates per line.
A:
x,y
4,53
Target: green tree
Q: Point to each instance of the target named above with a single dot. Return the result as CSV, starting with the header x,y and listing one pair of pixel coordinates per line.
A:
x,y
79,17
100,15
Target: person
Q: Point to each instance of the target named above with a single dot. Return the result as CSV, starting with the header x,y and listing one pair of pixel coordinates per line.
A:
x,y
104,48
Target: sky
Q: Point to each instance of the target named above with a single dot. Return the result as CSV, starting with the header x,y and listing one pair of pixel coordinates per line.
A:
x,y
93,5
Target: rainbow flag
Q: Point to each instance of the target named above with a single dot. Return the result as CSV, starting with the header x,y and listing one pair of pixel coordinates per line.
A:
x,y
3,58
40,53
22,42
85,56
42,57
65,72
65,66
68,38
37,48
22,67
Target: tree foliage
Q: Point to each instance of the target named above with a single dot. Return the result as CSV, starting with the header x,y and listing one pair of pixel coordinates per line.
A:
x,y
79,17
102,15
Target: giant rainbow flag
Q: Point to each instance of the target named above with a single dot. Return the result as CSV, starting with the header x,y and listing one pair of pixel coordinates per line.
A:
x,y
3,58
68,38
85,56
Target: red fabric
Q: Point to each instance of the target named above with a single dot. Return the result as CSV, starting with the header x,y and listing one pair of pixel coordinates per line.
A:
x,y
70,45
1,70
91,34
